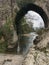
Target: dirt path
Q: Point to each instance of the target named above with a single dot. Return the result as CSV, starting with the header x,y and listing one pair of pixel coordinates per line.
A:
x,y
9,59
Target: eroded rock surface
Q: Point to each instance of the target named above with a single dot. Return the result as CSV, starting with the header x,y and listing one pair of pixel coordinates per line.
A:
x,y
38,54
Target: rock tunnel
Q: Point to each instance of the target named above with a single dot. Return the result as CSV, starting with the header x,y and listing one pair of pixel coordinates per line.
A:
x,y
25,9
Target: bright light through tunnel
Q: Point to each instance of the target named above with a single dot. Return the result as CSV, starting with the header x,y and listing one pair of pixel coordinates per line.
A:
x,y
34,19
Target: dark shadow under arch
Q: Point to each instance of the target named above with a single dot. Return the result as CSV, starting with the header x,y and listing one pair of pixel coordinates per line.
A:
x,y
25,9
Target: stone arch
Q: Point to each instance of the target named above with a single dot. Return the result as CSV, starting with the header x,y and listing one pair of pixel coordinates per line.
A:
x,y
25,9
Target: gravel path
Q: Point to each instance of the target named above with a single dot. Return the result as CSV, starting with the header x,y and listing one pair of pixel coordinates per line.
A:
x,y
9,59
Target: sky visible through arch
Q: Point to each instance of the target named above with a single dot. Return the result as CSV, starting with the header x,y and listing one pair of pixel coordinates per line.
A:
x,y
34,19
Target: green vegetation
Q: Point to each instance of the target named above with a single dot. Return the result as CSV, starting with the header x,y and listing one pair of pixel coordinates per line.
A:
x,y
24,27
40,31
6,33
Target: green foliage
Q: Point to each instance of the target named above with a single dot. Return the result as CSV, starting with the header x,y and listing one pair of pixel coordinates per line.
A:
x,y
6,31
24,27
40,31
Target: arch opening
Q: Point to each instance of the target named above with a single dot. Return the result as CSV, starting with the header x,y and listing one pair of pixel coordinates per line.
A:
x,y
24,45
34,20
27,8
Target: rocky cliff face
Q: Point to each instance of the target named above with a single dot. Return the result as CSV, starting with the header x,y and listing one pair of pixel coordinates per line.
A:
x,y
39,54
5,6
44,4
